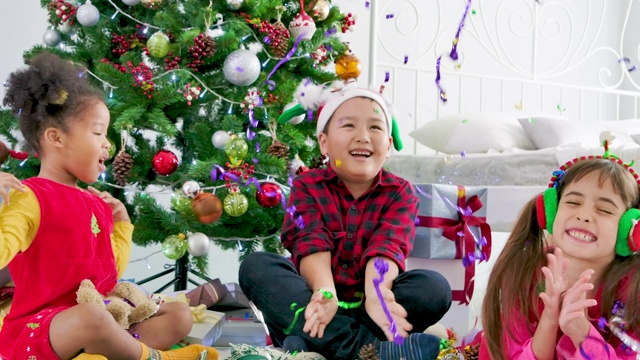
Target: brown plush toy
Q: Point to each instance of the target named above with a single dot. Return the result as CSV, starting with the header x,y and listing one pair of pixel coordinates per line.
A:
x,y
126,302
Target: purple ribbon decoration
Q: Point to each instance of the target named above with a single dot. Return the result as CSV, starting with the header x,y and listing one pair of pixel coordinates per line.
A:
x,y
272,84
382,267
443,95
454,49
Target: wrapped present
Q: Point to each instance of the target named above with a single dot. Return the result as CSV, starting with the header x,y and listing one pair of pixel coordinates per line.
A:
x,y
207,328
207,294
451,224
233,299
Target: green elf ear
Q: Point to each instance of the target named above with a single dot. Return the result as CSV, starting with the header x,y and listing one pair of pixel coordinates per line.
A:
x,y
286,116
395,134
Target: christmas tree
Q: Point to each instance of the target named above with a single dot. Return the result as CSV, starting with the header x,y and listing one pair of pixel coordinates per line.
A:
x,y
195,88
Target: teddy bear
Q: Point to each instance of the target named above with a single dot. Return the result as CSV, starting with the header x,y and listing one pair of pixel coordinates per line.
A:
x,y
126,302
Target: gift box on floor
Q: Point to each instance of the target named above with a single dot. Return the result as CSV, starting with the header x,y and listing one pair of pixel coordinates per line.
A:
x,y
452,224
207,294
207,328
234,298
240,331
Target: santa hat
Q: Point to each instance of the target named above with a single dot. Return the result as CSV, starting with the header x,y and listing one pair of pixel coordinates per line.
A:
x,y
326,101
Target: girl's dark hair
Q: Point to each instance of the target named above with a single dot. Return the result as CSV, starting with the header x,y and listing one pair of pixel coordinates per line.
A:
x,y
47,93
512,291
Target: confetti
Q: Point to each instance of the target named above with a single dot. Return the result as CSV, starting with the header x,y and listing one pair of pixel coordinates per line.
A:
x,y
366,4
386,76
628,61
382,267
465,121
463,154
338,163
389,16
406,59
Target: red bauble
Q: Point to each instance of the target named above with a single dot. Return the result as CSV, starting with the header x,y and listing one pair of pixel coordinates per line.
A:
x,y
270,196
165,162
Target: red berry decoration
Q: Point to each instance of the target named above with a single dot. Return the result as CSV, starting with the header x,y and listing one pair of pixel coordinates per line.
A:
x,y
270,196
165,162
63,10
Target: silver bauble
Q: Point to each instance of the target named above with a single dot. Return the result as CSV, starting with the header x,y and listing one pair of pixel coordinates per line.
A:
x,y
87,14
296,119
220,139
241,67
51,38
190,189
198,244
235,4
131,2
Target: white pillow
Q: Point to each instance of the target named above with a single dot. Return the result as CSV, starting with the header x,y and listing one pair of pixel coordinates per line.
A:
x,y
473,133
552,131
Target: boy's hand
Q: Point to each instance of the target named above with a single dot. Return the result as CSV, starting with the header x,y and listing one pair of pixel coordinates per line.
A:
x,y
117,207
319,313
573,316
555,285
376,313
9,181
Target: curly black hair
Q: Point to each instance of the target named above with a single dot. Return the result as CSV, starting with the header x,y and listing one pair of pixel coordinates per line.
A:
x,y
48,93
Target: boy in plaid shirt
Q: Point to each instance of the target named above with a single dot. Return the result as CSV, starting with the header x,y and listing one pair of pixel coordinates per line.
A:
x,y
346,216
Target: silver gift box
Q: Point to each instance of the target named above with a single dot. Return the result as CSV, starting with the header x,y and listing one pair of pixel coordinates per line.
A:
x,y
430,243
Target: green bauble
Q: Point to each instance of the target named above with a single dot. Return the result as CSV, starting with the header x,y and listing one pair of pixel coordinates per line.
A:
x,y
237,149
158,45
236,204
181,203
174,247
112,149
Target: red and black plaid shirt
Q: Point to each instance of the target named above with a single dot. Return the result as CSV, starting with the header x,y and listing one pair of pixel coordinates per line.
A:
x,y
380,223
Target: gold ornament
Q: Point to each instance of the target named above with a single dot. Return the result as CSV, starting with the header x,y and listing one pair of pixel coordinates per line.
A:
x,y
319,9
348,67
152,4
206,207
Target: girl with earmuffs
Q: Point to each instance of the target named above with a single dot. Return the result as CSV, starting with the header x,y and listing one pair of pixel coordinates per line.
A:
x,y
570,292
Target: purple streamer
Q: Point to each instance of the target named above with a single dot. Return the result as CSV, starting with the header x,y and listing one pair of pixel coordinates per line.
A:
x,y
300,222
382,267
257,146
267,40
272,84
454,49
252,120
214,174
330,32
443,95
250,134
328,47
310,115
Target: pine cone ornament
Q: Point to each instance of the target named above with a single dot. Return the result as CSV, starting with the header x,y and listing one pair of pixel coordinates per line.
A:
x,y
209,45
368,352
278,149
122,165
471,352
280,41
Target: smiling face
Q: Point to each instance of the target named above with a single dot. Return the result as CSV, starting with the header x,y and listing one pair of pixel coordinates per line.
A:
x,y
586,224
80,151
357,141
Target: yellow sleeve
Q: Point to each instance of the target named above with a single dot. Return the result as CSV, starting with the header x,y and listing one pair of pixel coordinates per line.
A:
x,y
19,223
121,243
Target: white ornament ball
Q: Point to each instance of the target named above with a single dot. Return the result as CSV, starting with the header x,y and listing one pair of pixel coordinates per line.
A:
x,y
87,14
131,2
198,244
51,38
241,67
66,28
190,189
220,139
295,120
235,4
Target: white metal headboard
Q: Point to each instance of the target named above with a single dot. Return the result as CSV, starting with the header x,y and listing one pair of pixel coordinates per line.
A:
x,y
559,57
